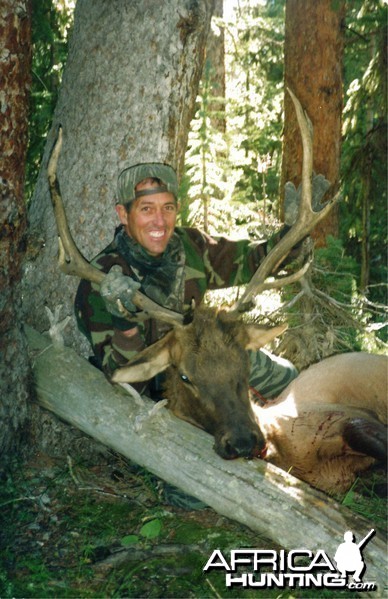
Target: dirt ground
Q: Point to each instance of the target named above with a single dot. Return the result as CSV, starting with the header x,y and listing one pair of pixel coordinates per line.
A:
x,y
112,529
104,530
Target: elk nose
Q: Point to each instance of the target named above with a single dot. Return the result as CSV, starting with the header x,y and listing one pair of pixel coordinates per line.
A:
x,y
241,445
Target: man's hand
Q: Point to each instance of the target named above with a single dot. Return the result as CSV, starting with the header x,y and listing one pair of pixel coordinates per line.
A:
x,y
117,286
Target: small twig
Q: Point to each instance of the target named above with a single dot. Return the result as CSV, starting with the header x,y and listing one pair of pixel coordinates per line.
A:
x,y
213,588
374,305
17,500
95,488
37,354
341,306
291,303
144,418
73,476
77,483
37,500
133,393
56,326
311,318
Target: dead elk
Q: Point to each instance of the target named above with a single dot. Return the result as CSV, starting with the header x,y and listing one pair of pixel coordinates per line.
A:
x,y
329,424
207,378
325,427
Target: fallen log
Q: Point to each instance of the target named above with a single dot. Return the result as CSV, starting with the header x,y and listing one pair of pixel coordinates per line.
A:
x,y
254,493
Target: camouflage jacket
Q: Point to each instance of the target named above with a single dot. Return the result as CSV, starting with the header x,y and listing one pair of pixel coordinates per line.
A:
x,y
208,263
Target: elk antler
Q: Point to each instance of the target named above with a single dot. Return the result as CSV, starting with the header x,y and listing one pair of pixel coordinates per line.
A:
x,y
73,263
305,223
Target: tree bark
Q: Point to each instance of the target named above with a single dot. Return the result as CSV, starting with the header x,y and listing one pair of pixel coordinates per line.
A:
x,y
254,493
15,66
313,54
127,96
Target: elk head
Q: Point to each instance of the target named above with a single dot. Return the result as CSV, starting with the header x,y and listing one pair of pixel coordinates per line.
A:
x,y
207,377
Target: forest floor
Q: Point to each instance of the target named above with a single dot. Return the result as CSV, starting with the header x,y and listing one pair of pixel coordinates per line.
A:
x,y
111,529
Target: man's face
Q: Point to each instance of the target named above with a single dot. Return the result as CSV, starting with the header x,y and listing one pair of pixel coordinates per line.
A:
x,y
150,220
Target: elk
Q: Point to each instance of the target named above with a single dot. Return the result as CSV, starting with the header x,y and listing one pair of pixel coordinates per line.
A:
x,y
325,427
324,437
329,423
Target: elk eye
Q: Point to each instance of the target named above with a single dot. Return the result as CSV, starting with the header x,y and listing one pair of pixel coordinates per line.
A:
x,y
185,378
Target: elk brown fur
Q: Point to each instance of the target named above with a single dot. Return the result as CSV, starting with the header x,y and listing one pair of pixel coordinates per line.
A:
x,y
325,427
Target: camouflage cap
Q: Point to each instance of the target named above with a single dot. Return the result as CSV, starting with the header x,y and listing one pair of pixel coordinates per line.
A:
x,y
130,177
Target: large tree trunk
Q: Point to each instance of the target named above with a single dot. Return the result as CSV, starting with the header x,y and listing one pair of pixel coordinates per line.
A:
x,y
127,96
15,67
255,493
313,54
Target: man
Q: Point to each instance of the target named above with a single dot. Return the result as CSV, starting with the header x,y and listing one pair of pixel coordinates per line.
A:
x,y
171,265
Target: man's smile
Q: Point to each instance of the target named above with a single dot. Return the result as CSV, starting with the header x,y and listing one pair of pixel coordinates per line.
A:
x,y
156,234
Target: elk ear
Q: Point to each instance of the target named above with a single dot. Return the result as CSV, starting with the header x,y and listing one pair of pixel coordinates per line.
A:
x,y
147,363
257,336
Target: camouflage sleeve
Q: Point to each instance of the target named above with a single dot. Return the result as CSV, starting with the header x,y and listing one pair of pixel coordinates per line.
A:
x,y
225,262
114,340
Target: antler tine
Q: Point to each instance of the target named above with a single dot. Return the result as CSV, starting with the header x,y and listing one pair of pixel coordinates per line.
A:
x,y
305,223
71,261
307,133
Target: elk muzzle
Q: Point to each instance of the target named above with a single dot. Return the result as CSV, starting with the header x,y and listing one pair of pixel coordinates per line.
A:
x,y
242,442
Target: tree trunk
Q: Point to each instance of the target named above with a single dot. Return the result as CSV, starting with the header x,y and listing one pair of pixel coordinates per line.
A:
x,y
255,493
127,96
313,71
15,67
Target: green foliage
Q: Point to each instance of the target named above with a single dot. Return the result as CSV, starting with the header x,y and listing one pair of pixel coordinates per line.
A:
x,y
336,272
327,314
250,169
51,23
149,530
101,531
363,213
364,498
205,164
247,172
231,180
256,96
56,534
